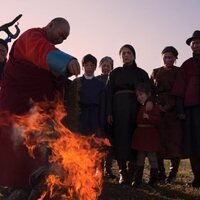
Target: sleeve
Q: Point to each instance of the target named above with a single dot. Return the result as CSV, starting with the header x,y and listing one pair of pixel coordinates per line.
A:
x,y
152,82
73,109
102,111
180,83
109,93
154,116
57,61
147,80
32,46
180,105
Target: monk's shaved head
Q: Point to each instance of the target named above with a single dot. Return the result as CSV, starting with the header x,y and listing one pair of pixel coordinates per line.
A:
x,y
57,30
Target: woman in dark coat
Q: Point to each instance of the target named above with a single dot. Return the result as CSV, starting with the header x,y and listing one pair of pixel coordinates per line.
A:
x,y
122,108
106,65
171,126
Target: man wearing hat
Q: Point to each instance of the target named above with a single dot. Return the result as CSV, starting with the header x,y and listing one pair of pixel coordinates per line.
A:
x,y
3,55
187,87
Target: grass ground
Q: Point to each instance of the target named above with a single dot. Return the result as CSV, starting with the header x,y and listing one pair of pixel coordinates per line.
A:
x,y
179,190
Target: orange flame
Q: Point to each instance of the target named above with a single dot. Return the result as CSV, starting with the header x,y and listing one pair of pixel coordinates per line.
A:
x,y
76,160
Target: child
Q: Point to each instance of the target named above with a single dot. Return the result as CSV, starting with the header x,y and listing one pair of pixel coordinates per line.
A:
x,y
146,136
87,100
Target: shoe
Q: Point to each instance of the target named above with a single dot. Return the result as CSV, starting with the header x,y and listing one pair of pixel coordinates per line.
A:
x,y
170,179
152,183
123,180
110,175
162,177
153,177
136,184
138,176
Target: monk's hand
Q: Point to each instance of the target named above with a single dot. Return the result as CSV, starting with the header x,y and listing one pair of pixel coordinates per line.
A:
x,y
74,67
145,116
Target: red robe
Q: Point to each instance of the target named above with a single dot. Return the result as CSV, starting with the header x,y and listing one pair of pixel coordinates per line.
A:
x,y
147,138
171,129
187,86
187,82
26,78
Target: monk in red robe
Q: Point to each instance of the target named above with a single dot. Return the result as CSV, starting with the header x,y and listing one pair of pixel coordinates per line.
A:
x,y
29,76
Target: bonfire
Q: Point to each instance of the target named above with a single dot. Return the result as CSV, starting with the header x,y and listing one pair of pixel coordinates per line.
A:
x,y
75,161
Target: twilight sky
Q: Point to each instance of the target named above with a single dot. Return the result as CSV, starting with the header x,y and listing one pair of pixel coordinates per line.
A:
x,y
101,27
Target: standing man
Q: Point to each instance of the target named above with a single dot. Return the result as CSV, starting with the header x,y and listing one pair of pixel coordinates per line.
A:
x,y
29,76
187,86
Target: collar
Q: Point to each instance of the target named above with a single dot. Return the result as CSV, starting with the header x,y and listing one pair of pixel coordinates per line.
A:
x,y
88,77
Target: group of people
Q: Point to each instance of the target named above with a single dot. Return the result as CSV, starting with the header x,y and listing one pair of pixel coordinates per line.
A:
x,y
143,116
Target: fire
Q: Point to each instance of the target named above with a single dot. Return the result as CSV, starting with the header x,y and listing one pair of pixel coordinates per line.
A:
x,y
75,170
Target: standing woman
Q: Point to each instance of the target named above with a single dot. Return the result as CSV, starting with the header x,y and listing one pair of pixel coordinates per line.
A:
x,y
122,109
106,65
170,127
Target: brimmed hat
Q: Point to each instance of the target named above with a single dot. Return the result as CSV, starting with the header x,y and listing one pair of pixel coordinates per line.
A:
x,y
195,35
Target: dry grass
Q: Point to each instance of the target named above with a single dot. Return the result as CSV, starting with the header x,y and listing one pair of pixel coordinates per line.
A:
x,y
176,191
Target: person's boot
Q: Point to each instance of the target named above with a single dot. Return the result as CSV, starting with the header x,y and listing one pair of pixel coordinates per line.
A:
x,y
123,174
131,171
161,171
153,177
109,173
173,170
108,168
195,164
196,180
138,176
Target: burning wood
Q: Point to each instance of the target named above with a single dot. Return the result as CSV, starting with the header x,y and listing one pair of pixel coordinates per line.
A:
x,y
75,161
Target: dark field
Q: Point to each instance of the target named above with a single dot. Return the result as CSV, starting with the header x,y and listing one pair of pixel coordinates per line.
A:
x,y
176,191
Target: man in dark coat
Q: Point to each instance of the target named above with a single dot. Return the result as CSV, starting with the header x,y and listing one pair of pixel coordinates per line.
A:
x,y
187,86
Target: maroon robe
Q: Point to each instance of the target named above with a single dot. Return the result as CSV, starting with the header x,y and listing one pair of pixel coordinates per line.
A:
x,y
171,129
147,138
187,83
187,86
23,82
